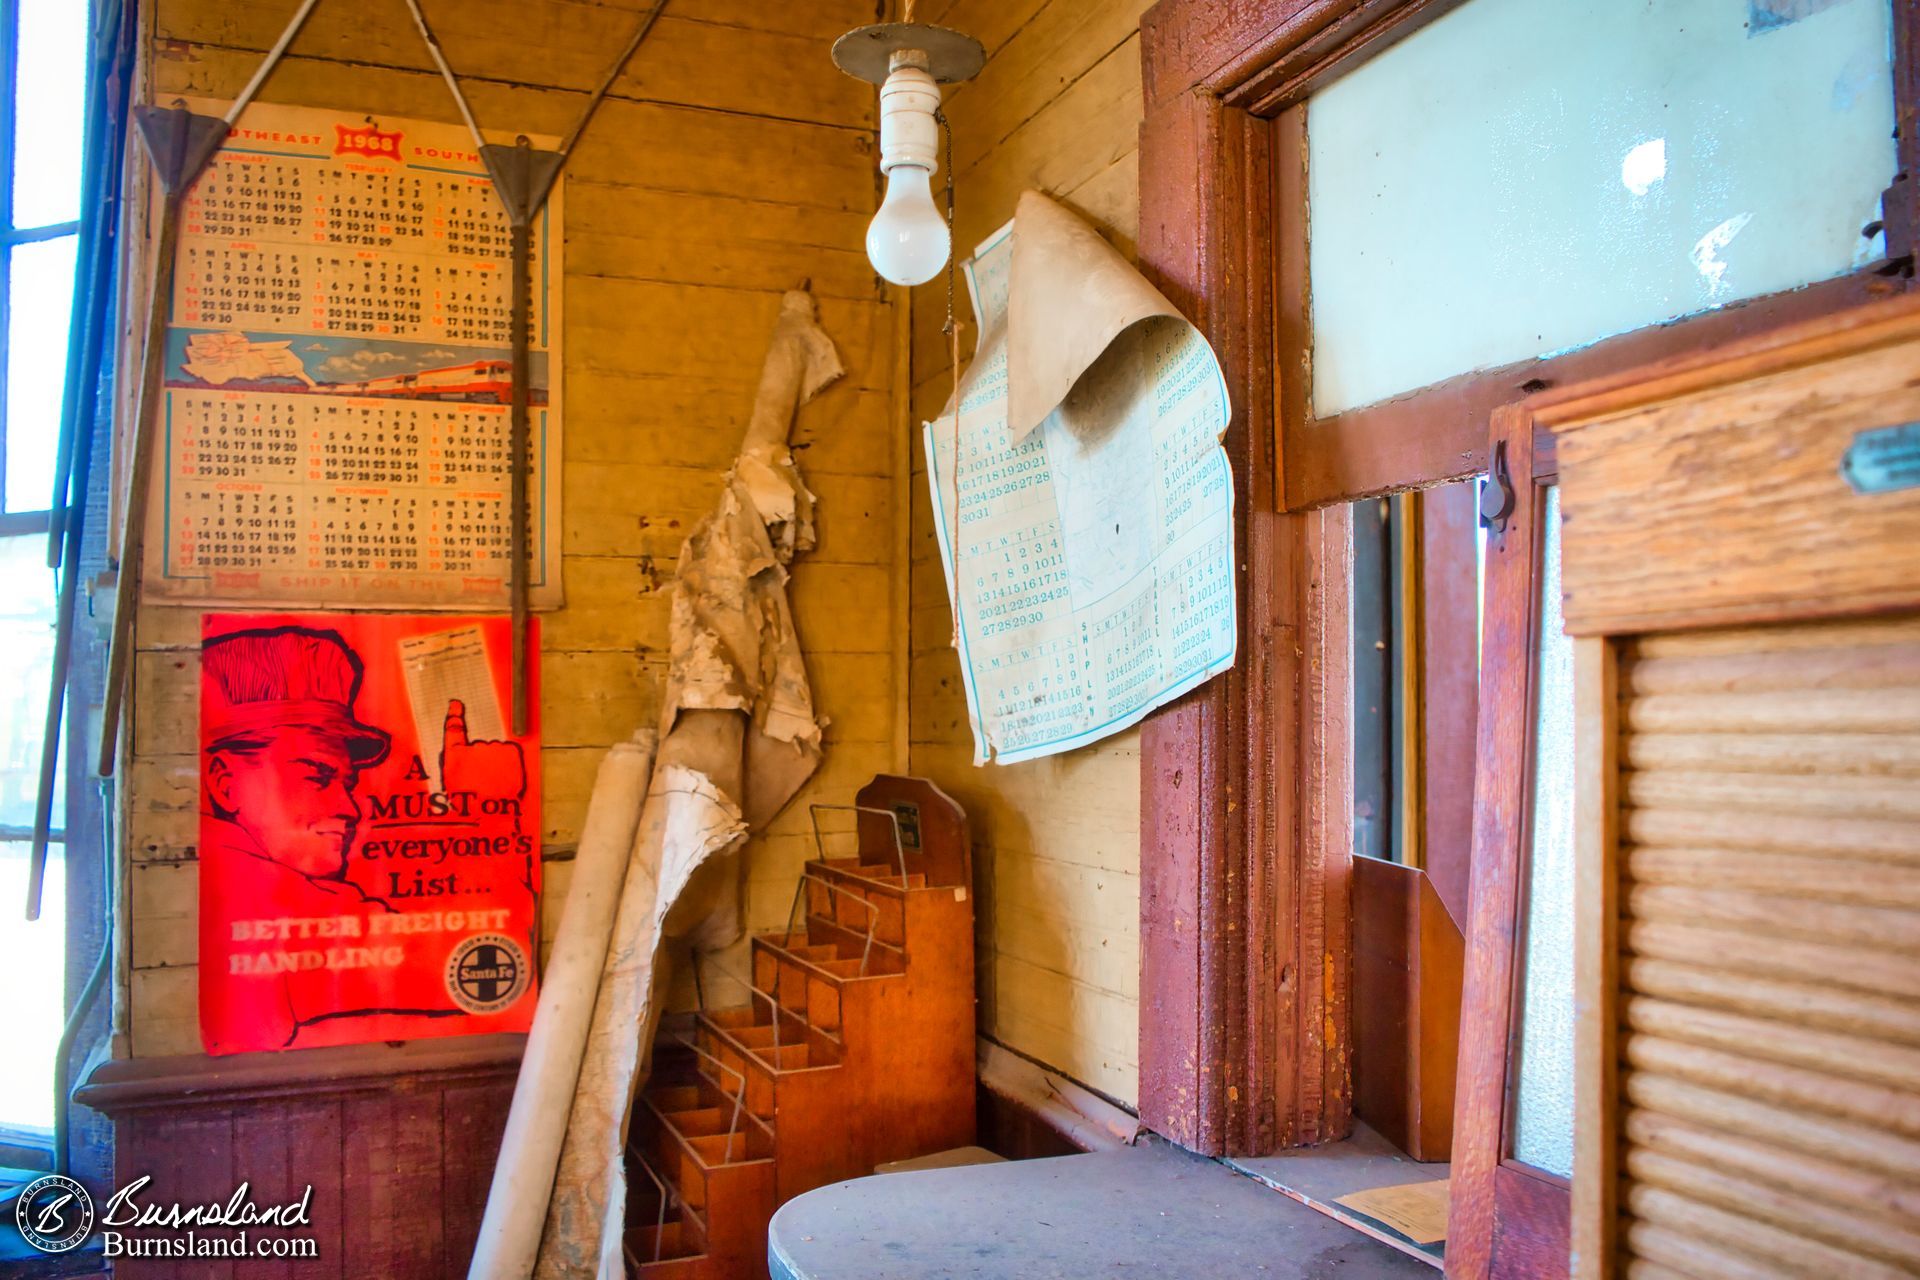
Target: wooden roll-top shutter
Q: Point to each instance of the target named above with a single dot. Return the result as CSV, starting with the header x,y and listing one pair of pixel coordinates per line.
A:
x,y
1741,560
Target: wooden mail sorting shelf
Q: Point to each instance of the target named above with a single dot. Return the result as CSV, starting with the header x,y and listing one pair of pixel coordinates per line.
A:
x,y
856,1047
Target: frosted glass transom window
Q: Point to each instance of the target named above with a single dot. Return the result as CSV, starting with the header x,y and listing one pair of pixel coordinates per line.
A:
x,y
1523,177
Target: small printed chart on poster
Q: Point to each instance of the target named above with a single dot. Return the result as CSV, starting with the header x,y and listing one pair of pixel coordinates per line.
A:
x,y
1093,580
369,831
338,374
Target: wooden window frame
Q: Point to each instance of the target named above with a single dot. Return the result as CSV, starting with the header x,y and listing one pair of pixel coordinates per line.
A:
x,y
36,519
1244,859
1507,1218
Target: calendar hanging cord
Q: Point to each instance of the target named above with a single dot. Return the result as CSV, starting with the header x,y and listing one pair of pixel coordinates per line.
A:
x,y
523,178
951,329
180,144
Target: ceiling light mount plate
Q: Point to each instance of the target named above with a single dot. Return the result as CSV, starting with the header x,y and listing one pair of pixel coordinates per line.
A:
x,y
867,52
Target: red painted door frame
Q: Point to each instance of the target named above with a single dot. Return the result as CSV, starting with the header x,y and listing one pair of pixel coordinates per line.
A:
x,y
1244,862
1244,848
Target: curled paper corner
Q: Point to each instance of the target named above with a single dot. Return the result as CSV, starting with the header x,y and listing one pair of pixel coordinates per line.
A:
x,y
1070,298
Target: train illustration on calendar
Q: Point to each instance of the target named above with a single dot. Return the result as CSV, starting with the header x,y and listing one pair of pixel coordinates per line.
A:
x,y
227,360
482,382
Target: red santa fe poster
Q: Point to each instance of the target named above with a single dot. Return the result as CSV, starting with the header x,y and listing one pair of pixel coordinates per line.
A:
x,y
369,831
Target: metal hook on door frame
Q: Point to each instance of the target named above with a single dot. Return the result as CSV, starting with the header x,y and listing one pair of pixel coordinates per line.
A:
x,y
1497,499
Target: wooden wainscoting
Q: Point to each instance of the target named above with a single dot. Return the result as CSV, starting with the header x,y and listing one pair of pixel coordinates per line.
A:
x,y
397,1142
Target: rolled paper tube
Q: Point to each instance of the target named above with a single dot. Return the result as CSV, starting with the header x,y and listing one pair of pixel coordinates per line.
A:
x,y
543,1096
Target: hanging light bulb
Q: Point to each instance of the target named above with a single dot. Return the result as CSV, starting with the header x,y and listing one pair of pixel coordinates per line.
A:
x,y
908,240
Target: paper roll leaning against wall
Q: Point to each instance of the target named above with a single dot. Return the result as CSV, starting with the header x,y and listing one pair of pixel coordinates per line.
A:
x,y
523,1177
739,737
1082,500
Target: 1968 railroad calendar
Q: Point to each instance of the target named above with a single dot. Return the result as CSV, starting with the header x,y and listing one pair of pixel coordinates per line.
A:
x,y
338,374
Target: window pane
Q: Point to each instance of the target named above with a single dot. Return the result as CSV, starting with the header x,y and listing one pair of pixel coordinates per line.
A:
x,y
31,1010
1523,177
1543,1104
1376,807
31,1000
49,111
37,367
26,637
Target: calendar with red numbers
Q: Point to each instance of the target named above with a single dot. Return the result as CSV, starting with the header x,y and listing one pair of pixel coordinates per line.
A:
x,y
339,374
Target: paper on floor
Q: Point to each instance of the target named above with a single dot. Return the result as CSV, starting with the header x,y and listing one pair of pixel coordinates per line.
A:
x,y
1417,1210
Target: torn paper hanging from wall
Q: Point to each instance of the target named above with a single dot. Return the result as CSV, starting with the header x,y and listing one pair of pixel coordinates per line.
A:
x,y
1092,574
739,737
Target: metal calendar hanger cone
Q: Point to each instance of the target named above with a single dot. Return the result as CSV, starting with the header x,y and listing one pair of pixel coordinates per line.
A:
x,y
523,177
179,144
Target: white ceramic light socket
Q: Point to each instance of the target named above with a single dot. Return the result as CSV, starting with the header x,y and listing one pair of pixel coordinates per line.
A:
x,y
908,240
908,132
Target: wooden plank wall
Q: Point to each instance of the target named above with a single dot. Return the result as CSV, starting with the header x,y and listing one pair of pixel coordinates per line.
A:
x,y
732,162
1058,108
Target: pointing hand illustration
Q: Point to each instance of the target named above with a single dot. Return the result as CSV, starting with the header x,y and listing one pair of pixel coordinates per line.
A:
x,y
486,768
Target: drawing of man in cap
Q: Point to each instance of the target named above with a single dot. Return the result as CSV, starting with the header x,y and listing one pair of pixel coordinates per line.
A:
x,y
283,755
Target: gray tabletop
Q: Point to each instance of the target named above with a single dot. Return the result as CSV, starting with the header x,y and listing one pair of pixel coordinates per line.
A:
x,y
1137,1212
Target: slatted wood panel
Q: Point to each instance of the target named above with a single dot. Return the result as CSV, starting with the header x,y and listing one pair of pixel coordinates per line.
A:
x,y
1769,963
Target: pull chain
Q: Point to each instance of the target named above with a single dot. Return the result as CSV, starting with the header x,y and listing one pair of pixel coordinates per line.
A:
x,y
952,330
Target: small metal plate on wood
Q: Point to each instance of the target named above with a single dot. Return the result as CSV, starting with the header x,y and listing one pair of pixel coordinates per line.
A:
x,y
1884,459
906,815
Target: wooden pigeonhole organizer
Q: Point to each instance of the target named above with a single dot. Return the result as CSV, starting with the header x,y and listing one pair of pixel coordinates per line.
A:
x,y
856,1047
